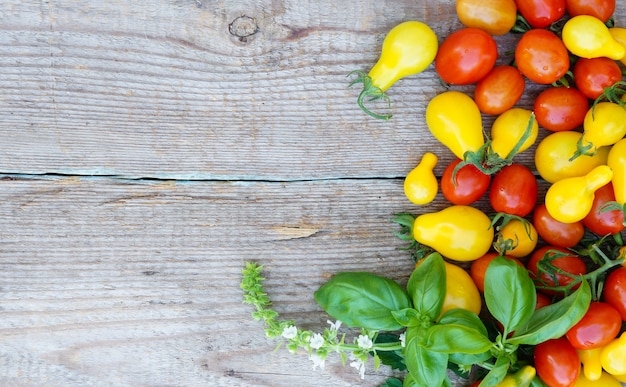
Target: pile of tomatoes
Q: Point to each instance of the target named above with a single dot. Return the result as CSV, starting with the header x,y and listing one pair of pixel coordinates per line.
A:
x,y
573,53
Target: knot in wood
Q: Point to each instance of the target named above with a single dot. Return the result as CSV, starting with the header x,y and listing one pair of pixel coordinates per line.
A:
x,y
243,27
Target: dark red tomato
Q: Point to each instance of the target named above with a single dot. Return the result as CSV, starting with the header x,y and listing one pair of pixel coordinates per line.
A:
x,y
542,300
614,291
479,268
541,56
560,108
569,263
514,190
599,326
554,232
499,90
602,9
469,183
557,362
593,75
466,56
541,13
604,222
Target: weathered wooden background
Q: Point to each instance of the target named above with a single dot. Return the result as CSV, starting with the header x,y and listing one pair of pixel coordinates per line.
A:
x,y
150,148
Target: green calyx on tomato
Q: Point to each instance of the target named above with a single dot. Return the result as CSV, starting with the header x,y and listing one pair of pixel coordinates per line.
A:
x,y
407,50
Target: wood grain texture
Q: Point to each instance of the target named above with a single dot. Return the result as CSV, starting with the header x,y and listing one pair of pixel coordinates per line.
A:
x,y
165,89
239,115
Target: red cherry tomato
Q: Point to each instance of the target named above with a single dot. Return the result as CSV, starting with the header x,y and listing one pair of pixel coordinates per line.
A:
x,y
541,56
499,90
514,190
554,232
557,362
604,222
560,108
541,13
602,9
466,56
569,263
542,300
614,291
593,75
469,184
479,268
599,326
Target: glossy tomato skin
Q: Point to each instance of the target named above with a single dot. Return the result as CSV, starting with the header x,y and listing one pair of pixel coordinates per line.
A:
x,y
604,222
614,291
598,327
499,90
514,190
602,9
541,56
593,75
479,268
469,184
556,233
569,263
466,56
541,13
560,108
496,17
557,362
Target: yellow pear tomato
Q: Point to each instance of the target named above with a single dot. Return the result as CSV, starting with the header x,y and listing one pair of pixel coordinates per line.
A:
x,y
617,162
461,292
588,37
420,185
458,232
455,120
619,34
605,380
553,154
516,238
570,200
510,128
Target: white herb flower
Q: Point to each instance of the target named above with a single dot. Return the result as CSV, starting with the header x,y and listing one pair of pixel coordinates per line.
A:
x,y
364,342
334,326
403,340
358,364
317,360
290,332
317,341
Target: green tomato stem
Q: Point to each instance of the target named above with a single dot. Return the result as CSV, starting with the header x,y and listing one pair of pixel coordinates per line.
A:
x,y
369,91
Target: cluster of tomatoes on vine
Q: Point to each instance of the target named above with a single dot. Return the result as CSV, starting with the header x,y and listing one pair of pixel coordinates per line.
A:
x,y
573,50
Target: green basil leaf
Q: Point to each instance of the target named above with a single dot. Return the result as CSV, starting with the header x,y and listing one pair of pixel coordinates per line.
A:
x,y
427,286
466,360
427,368
408,317
363,300
497,373
463,317
554,320
392,382
451,338
510,294
409,381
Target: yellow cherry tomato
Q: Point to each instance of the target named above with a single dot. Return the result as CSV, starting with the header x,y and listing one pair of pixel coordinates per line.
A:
x,y
461,291
455,120
458,232
570,200
521,378
517,239
619,34
588,37
617,162
553,153
509,128
420,185
604,124
407,49
613,356
605,380
592,367
496,17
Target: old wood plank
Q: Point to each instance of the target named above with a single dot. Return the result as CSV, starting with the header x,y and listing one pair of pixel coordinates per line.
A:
x,y
106,282
164,89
